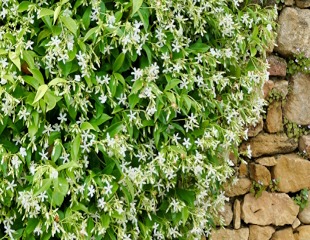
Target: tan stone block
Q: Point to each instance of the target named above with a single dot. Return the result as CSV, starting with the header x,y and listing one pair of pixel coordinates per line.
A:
x,y
281,88
297,106
303,3
274,117
304,215
259,174
296,223
241,187
277,66
282,234
226,214
289,2
268,86
243,170
293,32
303,232
304,144
293,173
237,214
260,232
270,208
228,234
267,161
269,144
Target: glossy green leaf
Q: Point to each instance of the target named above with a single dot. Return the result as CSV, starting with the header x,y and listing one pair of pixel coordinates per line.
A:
x,y
45,12
118,62
136,4
40,93
70,24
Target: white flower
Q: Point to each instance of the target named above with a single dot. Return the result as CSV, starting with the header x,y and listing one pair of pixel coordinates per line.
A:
x,y
15,162
269,27
23,152
91,191
187,143
103,98
62,117
53,173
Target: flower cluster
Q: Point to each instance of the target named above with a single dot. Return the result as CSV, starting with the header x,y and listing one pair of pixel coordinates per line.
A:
x,y
118,118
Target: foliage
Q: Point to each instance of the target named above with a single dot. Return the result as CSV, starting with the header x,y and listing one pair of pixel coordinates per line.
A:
x,y
118,117
258,187
301,199
299,63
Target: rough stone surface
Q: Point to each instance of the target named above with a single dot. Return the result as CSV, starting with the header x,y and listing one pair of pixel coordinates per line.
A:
x,y
227,214
297,107
303,232
266,161
241,187
269,144
268,86
274,117
293,32
243,170
260,233
296,223
289,2
227,234
254,130
237,214
304,215
283,234
270,208
277,66
303,3
304,144
280,87
293,173
260,174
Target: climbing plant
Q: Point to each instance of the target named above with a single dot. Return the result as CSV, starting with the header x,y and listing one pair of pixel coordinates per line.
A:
x,y
118,117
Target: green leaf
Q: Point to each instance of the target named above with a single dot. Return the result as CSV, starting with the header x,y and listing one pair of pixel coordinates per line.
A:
x,y
133,99
115,128
23,6
55,81
61,185
118,62
71,164
172,84
57,150
31,225
144,16
76,148
57,198
46,183
102,119
70,24
56,13
90,32
136,4
27,56
138,84
40,93
105,220
86,18
50,100
45,12
87,126
37,75
185,215
15,59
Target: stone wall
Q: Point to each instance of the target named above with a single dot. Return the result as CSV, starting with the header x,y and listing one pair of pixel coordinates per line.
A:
x,y
279,162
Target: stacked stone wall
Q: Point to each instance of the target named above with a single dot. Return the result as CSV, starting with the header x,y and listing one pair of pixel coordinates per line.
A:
x,y
262,205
